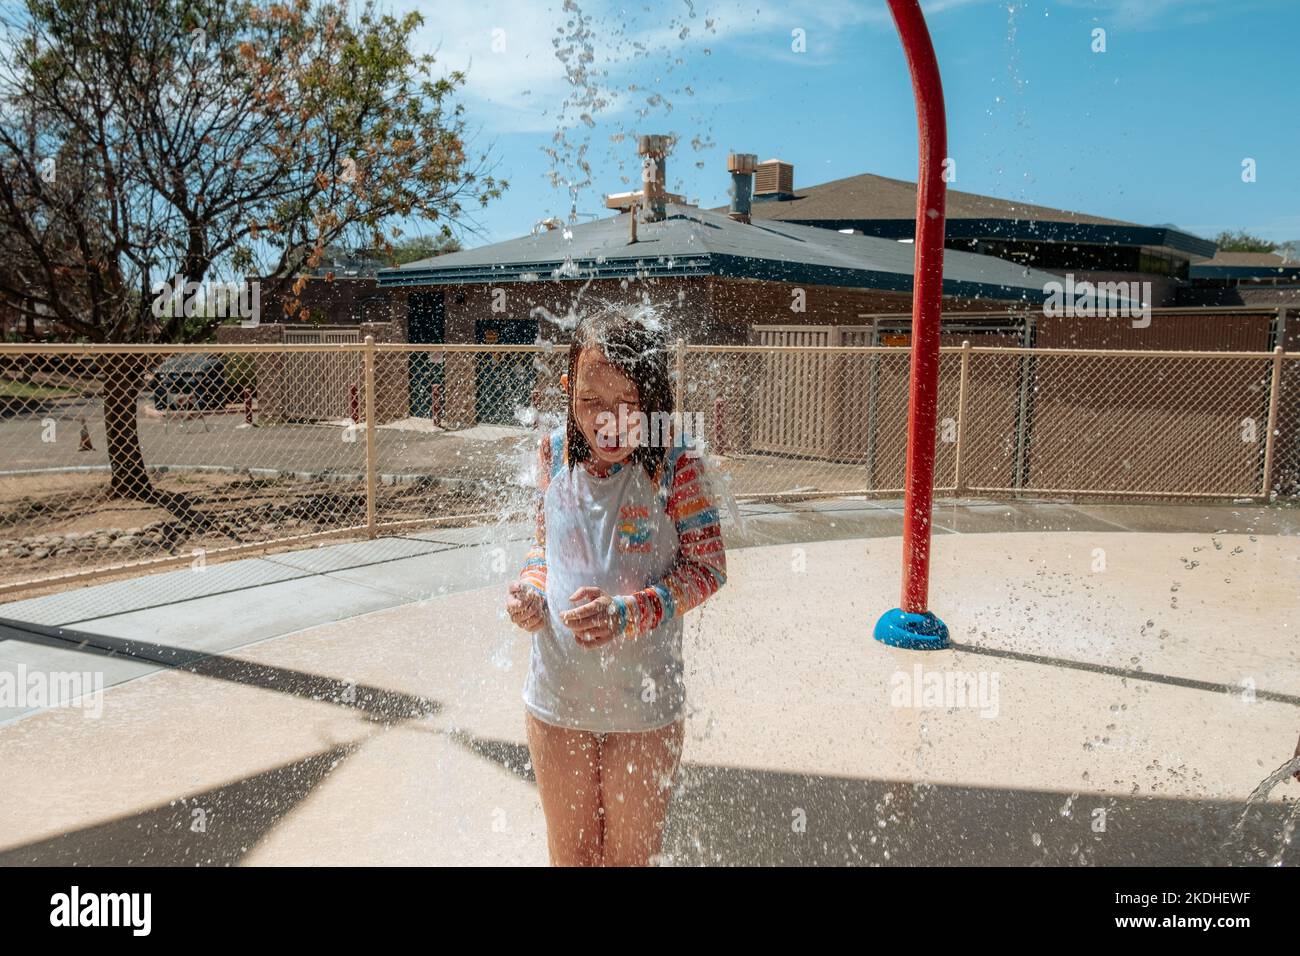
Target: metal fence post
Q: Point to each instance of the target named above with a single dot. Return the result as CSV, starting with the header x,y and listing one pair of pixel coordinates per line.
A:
x,y
679,389
1022,407
873,390
368,355
959,479
1274,388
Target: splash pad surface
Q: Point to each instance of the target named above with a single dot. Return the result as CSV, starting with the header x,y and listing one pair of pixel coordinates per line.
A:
x,y
1112,696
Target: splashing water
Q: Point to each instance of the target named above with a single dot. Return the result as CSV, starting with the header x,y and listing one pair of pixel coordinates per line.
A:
x,y
565,323
617,85
718,487
1258,795
1273,779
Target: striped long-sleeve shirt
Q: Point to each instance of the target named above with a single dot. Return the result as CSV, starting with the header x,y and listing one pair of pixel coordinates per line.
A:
x,y
534,572
699,570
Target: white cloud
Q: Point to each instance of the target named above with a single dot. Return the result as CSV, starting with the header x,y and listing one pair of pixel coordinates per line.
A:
x,y
520,85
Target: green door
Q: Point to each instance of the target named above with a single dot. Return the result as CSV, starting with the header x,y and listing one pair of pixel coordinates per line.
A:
x,y
504,379
426,324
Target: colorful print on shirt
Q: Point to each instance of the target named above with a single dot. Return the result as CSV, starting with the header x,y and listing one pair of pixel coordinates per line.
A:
x,y
634,528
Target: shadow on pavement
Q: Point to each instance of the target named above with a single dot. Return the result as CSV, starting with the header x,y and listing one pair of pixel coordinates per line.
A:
x,y
737,816
378,704
213,828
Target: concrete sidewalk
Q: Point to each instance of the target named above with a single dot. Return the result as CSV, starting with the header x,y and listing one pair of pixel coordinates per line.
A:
x,y
1152,695
229,605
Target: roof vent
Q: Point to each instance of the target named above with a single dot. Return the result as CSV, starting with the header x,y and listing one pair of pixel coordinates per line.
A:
x,y
774,180
741,166
654,152
653,195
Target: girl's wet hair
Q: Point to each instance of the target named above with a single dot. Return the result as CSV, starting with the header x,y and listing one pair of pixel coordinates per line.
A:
x,y
634,339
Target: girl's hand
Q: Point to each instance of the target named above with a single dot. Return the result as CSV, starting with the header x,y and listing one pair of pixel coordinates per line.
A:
x,y
594,622
525,606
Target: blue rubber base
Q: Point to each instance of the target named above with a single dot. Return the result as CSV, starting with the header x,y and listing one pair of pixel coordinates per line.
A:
x,y
917,632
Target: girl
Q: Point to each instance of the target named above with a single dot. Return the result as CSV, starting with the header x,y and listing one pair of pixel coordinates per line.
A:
x,y
627,542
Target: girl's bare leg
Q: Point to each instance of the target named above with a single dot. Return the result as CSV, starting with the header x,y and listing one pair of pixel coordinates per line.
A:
x,y
636,778
566,764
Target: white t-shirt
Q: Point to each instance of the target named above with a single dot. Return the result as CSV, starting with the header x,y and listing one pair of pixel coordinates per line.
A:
x,y
614,533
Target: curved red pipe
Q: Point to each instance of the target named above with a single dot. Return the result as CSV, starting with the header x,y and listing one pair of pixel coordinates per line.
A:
x,y
927,290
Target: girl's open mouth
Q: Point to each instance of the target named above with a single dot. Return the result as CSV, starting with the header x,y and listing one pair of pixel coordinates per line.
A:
x,y
613,441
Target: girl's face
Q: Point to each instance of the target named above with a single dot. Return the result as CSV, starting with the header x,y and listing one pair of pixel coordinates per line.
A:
x,y
605,406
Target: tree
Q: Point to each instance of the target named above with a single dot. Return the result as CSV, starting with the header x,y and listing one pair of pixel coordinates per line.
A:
x,y
1242,241
397,253
423,247
212,140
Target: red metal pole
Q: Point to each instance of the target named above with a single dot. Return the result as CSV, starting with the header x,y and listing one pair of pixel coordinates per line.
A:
x,y
931,193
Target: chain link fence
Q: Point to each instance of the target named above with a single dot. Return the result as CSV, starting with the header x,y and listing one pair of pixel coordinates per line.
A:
x,y
135,457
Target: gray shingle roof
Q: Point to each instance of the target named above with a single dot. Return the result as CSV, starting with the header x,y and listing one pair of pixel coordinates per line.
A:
x,y
692,241
868,196
1266,259
878,205
1246,265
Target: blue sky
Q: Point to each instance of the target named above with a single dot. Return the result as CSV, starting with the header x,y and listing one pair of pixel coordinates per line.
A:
x,y
1153,130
